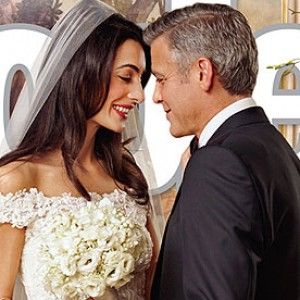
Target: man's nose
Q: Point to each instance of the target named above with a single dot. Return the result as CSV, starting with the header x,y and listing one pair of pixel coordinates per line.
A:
x,y
157,98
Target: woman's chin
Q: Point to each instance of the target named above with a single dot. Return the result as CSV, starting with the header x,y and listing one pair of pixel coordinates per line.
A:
x,y
117,129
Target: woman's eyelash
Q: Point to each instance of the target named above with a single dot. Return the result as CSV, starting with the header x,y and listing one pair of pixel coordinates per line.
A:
x,y
127,79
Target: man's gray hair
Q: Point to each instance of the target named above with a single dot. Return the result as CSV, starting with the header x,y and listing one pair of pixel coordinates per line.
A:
x,y
217,32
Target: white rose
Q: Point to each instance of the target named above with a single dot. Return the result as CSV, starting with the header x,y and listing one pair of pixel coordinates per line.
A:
x,y
97,216
83,217
93,287
89,261
54,247
69,244
105,233
69,291
117,266
56,278
90,233
68,265
121,235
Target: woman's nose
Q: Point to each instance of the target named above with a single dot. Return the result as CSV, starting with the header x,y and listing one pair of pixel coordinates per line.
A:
x,y
137,94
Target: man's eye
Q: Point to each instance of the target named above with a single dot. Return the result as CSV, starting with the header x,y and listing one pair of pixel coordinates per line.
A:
x,y
160,80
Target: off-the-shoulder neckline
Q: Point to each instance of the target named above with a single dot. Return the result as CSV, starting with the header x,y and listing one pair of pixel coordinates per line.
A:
x,y
34,190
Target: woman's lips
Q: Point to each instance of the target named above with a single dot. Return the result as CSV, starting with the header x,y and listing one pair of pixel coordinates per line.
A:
x,y
122,109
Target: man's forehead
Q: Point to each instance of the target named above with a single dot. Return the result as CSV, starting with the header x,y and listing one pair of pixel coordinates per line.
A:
x,y
160,45
161,55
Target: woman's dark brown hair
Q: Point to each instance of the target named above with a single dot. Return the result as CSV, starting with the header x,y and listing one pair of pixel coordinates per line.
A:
x,y
78,95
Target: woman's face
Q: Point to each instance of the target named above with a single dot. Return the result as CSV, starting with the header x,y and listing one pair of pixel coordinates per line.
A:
x,y
125,89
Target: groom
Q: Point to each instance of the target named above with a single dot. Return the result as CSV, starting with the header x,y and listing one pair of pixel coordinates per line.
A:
x,y
234,231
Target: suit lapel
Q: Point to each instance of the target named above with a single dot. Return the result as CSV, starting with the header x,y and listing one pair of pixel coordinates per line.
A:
x,y
252,115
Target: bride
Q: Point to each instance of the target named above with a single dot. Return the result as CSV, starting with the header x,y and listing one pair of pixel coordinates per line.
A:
x,y
68,161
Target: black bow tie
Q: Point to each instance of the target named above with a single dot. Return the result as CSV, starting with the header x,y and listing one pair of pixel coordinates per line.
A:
x,y
194,144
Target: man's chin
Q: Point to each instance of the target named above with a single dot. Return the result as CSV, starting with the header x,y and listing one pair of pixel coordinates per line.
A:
x,y
176,133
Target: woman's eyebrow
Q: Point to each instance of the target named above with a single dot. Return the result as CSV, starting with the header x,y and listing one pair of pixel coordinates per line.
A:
x,y
134,67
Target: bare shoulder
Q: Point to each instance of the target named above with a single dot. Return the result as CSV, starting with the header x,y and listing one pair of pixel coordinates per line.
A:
x,y
16,176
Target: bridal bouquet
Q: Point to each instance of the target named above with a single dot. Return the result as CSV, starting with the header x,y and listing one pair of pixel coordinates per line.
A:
x,y
91,249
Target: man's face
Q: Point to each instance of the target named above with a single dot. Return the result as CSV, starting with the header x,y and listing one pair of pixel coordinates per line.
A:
x,y
179,94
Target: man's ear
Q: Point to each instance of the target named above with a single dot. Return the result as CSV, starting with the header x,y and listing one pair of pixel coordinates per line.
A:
x,y
204,72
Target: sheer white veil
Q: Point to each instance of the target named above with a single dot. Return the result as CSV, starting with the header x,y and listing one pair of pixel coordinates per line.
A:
x,y
66,37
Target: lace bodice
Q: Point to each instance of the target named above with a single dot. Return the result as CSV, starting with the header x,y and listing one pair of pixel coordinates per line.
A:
x,y
32,209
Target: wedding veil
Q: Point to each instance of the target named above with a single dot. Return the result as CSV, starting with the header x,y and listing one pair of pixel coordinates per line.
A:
x,y
65,38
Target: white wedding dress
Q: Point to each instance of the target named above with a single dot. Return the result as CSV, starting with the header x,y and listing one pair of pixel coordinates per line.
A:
x,y
32,209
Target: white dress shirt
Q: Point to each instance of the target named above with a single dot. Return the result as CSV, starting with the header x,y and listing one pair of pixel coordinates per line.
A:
x,y
212,126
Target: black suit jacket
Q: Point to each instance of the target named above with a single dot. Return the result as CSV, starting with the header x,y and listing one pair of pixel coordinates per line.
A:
x,y
234,231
